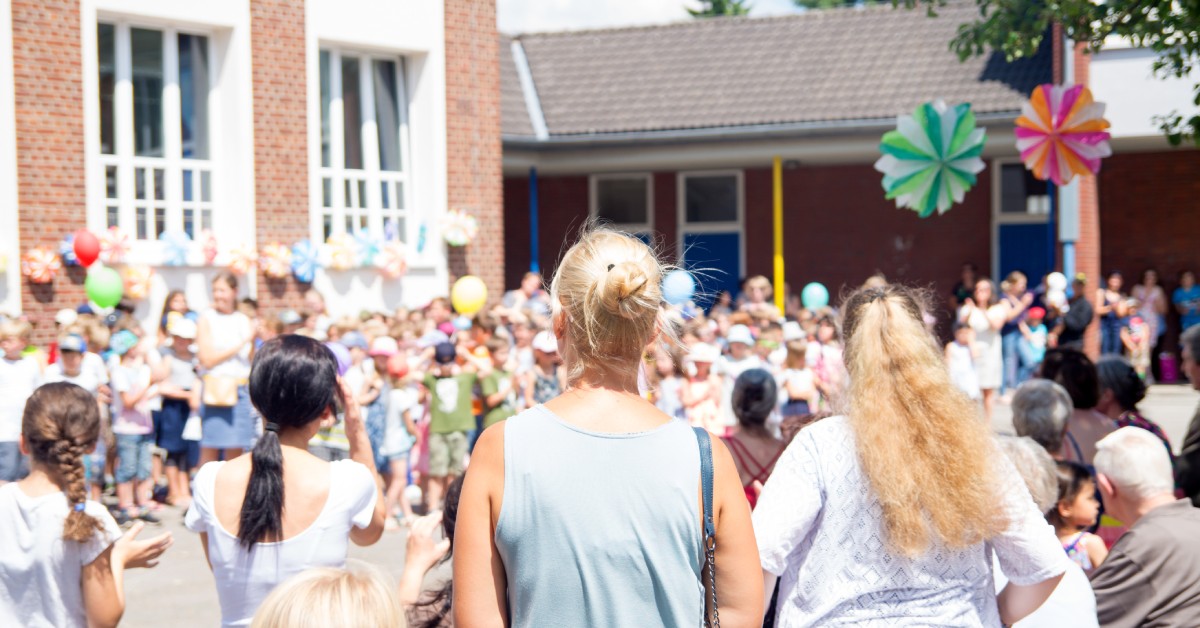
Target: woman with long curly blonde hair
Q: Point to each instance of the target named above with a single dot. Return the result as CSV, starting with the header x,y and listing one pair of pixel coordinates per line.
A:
x,y
891,512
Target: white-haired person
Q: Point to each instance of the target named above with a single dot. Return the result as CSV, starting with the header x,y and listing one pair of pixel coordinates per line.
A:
x,y
1072,603
890,513
1152,575
358,596
1040,410
601,519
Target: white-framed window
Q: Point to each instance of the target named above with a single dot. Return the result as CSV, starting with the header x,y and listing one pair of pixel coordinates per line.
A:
x,y
364,171
1020,197
624,200
711,235
155,144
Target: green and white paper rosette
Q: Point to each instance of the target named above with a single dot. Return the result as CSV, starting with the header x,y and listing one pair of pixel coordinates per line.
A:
x,y
931,159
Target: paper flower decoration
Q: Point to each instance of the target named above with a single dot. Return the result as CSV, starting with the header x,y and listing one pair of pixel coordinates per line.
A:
x,y
391,260
114,245
931,159
1061,133
276,261
40,265
176,246
459,227
421,232
367,248
3,263
66,250
208,242
304,261
137,281
341,253
242,259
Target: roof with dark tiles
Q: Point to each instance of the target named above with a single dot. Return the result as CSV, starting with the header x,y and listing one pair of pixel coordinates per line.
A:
x,y
832,66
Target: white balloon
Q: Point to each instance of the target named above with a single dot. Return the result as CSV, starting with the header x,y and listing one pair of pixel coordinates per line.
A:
x,y
412,493
1056,281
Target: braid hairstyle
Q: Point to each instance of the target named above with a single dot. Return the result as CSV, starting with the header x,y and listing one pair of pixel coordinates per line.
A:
x,y
61,423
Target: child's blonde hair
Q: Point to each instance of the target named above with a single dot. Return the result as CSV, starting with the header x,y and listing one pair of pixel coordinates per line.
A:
x,y
358,596
608,290
16,329
797,351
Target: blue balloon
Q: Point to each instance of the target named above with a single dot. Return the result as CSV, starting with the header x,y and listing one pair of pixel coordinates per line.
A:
x,y
814,296
462,323
678,287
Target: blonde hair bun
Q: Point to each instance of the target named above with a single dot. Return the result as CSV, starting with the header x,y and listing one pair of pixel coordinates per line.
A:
x,y
619,289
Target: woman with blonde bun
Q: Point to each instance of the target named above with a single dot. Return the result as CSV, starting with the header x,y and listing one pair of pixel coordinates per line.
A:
x,y
891,513
585,510
358,596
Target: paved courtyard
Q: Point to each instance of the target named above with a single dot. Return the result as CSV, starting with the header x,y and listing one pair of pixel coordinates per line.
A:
x,y
180,592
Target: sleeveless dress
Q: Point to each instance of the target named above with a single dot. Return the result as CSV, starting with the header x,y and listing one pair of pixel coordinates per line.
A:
x,y
759,471
1077,552
989,365
600,529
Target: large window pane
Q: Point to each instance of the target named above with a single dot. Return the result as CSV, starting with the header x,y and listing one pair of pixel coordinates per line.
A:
x,y
351,113
711,199
193,95
147,54
108,78
326,97
387,115
1021,192
622,201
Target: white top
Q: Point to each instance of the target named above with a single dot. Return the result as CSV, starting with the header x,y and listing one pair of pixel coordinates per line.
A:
x,y
821,530
989,364
244,578
396,439
962,369
225,332
92,373
18,379
1073,603
40,571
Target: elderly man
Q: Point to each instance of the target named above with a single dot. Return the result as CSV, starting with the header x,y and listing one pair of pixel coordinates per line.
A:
x,y
1152,575
1187,464
1040,410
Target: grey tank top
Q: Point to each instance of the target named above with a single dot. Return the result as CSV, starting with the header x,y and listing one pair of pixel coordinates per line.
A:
x,y
600,529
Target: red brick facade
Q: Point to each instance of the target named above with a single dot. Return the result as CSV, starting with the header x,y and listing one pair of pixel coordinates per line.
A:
x,y
48,82
473,153
281,138
1087,250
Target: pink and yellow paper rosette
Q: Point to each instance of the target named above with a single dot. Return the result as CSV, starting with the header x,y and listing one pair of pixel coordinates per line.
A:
x,y
137,281
242,259
1062,132
391,260
459,228
209,247
342,252
276,261
114,245
40,265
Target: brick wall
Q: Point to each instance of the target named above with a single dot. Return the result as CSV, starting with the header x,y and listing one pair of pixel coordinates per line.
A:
x,y
48,82
281,139
1087,250
473,137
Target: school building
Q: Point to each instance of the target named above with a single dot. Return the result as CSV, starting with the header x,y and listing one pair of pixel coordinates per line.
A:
x,y
260,121
672,131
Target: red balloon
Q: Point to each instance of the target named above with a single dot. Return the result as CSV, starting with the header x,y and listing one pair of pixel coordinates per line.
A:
x,y
87,247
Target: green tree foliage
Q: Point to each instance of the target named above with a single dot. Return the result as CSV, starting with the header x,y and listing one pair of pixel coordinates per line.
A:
x,y
1015,28
716,8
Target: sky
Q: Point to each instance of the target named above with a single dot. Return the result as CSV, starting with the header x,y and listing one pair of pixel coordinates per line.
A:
x,y
530,16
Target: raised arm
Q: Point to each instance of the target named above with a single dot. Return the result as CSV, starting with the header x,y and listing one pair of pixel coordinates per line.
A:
x,y
480,582
360,452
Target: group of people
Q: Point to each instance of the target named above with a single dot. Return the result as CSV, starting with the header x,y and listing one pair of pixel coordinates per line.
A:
x,y
593,456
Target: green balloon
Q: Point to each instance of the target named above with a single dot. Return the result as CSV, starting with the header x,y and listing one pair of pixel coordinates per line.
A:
x,y
104,286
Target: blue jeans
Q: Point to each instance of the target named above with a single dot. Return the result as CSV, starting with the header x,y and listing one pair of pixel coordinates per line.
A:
x,y
134,456
13,465
1012,359
1110,338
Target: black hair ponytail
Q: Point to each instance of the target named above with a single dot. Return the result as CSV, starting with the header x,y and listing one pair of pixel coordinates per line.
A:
x,y
293,382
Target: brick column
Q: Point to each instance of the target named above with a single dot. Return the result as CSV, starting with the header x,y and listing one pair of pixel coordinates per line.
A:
x,y
277,45
473,166
1087,249
48,85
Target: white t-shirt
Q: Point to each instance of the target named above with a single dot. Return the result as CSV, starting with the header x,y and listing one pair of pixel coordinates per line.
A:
x,y
88,379
820,528
135,419
1073,603
244,578
396,438
39,570
225,332
18,379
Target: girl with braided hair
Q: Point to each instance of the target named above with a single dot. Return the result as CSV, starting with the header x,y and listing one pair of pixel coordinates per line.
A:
x,y
62,557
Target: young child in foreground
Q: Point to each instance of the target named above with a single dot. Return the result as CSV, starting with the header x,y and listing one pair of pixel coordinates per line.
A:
x,y
62,557
1076,511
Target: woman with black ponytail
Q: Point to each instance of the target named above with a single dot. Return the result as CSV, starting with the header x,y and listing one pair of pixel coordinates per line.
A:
x,y
251,541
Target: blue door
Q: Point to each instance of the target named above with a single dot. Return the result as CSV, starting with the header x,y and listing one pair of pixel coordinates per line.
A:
x,y
716,261
1025,247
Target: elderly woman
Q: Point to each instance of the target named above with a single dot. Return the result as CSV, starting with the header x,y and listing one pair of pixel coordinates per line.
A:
x,y
1073,603
1076,373
1040,410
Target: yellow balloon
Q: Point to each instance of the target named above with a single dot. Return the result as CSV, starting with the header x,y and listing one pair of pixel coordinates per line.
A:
x,y
469,295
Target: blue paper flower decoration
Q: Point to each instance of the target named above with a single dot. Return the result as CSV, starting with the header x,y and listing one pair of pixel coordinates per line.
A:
x,y
176,246
304,261
366,248
66,250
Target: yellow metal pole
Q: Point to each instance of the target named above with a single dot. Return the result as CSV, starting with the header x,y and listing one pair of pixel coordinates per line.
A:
x,y
780,299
